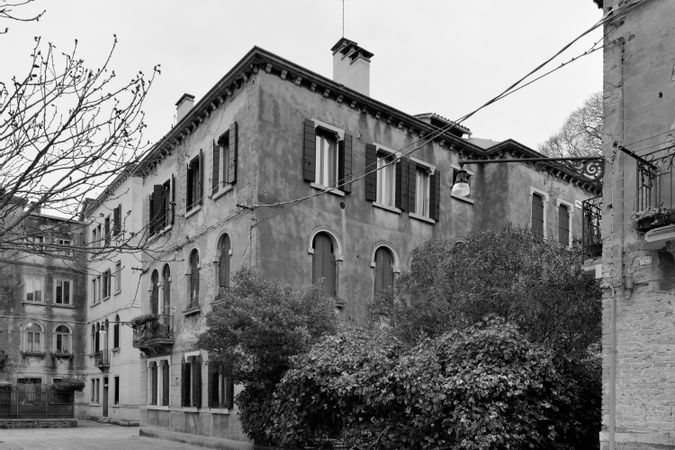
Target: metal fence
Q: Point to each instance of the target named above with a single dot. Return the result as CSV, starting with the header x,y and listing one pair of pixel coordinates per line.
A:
x,y
591,239
35,401
655,180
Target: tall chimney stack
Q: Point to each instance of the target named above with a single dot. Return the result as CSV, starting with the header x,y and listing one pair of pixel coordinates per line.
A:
x,y
183,106
351,65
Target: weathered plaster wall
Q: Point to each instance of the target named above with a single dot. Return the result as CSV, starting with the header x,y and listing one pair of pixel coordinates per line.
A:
x,y
638,319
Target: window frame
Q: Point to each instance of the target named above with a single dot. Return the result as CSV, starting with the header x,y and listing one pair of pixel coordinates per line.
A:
x,y
430,169
343,157
191,391
194,186
29,343
545,201
57,335
106,284
41,280
70,291
570,214
118,277
383,153
193,276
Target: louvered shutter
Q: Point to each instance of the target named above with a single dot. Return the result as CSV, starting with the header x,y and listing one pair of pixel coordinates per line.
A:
x,y
197,384
232,166
412,186
435,196
215,166
229,393
189,195
213,385
345,167
537,215
165,383
173,199
200,178
157,207
309,152
117,219
563,225
371,173
185,384
402,174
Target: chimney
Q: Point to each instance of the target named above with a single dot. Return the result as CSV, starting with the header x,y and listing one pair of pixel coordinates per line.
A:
x,y
183,106
351,65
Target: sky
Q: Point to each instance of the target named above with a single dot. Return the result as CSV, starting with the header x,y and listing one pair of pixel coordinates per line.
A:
x,y
442,56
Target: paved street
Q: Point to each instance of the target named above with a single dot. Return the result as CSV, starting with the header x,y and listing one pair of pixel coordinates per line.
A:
x,y
87,436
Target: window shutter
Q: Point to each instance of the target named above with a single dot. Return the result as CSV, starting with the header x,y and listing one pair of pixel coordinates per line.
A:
x,y
213,383
185,384
165,383
197,393
402,176
309,152
371,173
232,167
435,195
563,225
157,203
200,177
215,166
188,192
345,175
412,185
537,214
117,219
229,393
173,198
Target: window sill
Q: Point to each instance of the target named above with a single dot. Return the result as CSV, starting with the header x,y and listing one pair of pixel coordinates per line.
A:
x,y
192,310
159,233
158,407
26,302
106,298
463,199
117,292
94,404
224,411
224,189
38,354
330,190
422,218
115,349
387,207
192,409
96,303
62,355
61,305
192,211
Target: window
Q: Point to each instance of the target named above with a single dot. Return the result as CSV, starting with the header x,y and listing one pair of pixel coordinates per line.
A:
x,y
96,289
323,262
97,338
95,390
62,340
34,289
64,245
37,243
194,182
94,237
537,214
116,392
93,339
221,389
422,191
33,338
116,332
106,228
63,292
158,382
225,159
106,286
384,269
193,280
386,179
117,220
468,179
224,252
327,156
154,292
166,290
118,276
564,224
161,207
191,387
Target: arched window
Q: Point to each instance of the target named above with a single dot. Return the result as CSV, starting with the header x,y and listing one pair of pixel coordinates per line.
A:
x,y
154,292
194,279
323,262
116,332
62,340
224,262
97,337
384,269
166,290
33,338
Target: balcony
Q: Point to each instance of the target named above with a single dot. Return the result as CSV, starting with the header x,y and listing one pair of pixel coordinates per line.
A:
x,y
153,334
591,239
102,360
655,190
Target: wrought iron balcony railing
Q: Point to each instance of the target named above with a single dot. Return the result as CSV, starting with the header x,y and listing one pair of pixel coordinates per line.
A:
x,y
655,183
155,335
591,239
102,359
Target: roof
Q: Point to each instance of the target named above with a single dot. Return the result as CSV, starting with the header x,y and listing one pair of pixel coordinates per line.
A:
x,y
483,143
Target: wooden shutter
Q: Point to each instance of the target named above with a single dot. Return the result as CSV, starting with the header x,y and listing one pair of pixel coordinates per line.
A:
x,y
563,225
165,383
185,384
435,195
412,185
229,393
537,215
402,176
345,164
309,152
173,199
117,219
232,166
212,386
323,263
215,166
153,383
371,173
157,205
197,382
189,195
200,177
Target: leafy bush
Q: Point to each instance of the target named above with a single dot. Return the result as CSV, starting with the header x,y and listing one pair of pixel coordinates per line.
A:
x,y
486,387
254,329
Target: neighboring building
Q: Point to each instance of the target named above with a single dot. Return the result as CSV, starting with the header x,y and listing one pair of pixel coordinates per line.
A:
x,y
240,180
112,370
42,312
639,267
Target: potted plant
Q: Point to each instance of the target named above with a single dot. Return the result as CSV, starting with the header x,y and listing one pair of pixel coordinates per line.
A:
x,y
141,320
653,217
69,384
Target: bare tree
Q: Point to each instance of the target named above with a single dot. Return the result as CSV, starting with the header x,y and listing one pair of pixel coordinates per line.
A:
x,y
581,134
66,130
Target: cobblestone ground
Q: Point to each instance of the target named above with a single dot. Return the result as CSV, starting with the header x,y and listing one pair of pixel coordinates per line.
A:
x,y
87,436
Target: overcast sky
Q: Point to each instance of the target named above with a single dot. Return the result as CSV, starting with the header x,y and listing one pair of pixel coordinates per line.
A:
x,y
443,56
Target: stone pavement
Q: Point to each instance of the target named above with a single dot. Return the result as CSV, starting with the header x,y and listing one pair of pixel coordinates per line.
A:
x,y
86,436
